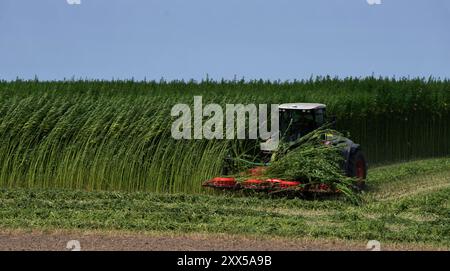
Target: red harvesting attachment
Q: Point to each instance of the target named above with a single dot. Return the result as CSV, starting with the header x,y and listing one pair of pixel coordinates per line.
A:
x,y
254,184
221,183
232,183
260,184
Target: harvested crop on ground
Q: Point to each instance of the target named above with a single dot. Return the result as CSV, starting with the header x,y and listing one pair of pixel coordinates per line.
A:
x,y
312,162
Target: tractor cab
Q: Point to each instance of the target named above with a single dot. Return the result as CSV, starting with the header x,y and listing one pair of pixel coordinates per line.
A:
x,y
295,121
298,119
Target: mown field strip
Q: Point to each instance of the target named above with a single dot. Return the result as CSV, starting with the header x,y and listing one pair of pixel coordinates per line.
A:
x,y
411,186
394,212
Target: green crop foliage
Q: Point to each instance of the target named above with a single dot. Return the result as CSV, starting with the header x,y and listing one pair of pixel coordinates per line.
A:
x,y
115,135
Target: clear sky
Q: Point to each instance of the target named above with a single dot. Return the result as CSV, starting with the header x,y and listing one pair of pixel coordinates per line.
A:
x,y
187,39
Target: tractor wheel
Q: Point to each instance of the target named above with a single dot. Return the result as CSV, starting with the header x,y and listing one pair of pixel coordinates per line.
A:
x,y
357,168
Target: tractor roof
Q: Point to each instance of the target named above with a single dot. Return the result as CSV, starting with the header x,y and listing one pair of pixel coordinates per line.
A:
x,y
302,106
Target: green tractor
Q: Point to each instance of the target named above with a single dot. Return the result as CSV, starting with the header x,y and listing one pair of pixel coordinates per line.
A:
x,y
297,120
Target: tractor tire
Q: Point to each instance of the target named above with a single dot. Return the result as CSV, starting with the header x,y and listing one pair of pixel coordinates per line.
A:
x,y
357,168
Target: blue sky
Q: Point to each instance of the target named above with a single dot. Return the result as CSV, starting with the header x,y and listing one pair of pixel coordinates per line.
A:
x,y
181,39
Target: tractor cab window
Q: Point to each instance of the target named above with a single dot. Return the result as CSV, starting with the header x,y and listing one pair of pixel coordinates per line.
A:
x,y
320,117
296,123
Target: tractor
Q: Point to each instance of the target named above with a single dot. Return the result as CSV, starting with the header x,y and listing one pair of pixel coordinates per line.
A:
x,y
295,121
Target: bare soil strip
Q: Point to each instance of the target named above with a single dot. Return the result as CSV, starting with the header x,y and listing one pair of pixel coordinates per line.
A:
x,y
119,241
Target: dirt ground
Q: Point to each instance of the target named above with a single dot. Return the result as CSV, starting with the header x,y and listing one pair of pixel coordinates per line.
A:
x,y
61,240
